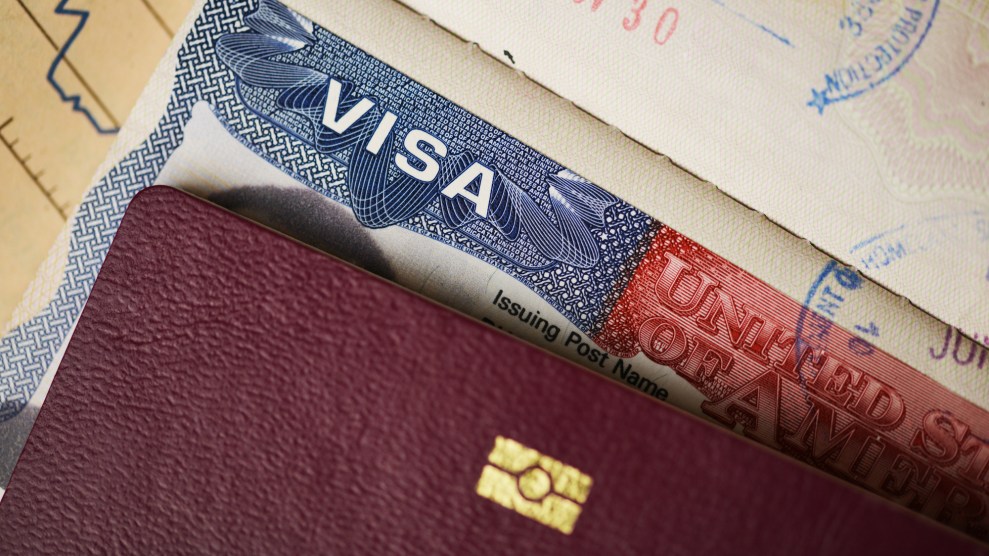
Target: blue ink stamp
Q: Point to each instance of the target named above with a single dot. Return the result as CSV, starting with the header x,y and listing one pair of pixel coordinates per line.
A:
x,y
879,37
830,291
888,247
783,39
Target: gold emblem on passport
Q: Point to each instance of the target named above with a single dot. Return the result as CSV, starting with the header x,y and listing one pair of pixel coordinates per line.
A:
x,y
534,485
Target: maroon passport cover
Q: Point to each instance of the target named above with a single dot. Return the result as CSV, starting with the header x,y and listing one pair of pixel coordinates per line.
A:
x,y
229,390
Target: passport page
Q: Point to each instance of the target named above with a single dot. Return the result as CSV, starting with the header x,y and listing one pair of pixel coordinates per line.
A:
x,y
861,126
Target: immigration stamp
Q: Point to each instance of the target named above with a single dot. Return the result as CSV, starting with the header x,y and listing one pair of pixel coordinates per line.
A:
x,y
948,231
832,289
878,38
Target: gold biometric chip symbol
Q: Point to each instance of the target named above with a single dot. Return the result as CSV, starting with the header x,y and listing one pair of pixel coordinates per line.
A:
x,y
534,485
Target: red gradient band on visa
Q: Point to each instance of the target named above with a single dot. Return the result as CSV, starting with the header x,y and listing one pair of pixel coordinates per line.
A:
x,y
870,419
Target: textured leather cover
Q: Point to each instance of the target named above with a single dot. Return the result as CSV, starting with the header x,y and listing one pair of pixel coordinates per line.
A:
x,y
228,390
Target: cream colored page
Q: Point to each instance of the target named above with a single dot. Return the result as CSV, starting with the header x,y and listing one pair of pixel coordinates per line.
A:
x,y
56,132
893,180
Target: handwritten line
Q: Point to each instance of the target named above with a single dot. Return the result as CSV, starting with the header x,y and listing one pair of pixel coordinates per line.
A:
x,y
76,100
35,177
758,25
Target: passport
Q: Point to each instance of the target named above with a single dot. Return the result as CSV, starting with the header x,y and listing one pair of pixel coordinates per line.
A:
x,y
228,390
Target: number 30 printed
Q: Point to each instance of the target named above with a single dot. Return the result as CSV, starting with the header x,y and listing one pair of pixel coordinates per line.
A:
x,y
666,25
